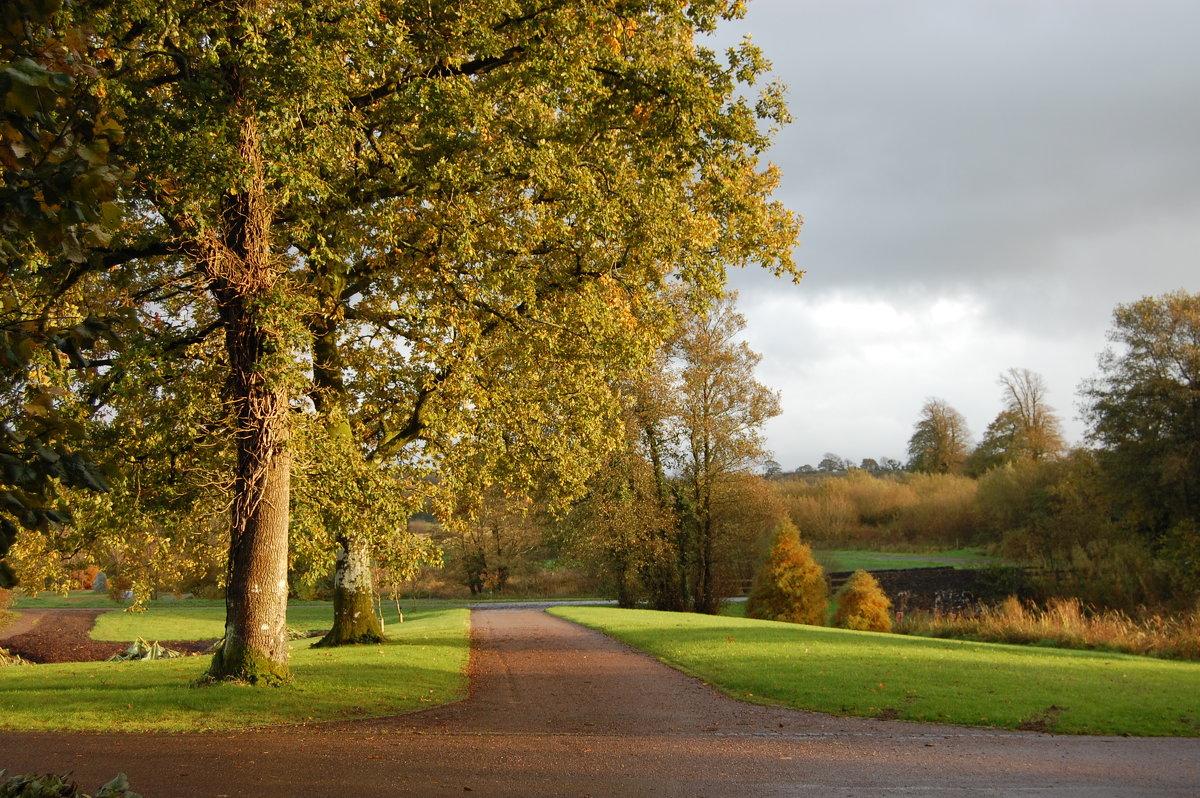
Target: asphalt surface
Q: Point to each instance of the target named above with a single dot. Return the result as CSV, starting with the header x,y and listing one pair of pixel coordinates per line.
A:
x,y
559,710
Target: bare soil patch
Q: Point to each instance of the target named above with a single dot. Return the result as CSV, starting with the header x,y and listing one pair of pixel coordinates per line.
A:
x,y
47,636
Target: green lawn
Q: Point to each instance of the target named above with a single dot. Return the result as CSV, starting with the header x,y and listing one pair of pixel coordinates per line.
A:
x,y
85,599
187,621
424,664
873,675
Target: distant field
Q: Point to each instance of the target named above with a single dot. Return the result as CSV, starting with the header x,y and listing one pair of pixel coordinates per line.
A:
x,y
874,675
85,599
850,560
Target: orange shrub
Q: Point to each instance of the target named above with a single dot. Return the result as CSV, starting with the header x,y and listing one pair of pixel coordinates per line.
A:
x,y
790,586
85,578
862,605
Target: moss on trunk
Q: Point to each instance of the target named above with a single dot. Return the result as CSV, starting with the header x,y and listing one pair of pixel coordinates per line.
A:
x,y
354,619
241,663
243,277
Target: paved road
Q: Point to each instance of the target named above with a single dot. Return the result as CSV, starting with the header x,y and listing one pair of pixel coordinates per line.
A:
x,y
560,710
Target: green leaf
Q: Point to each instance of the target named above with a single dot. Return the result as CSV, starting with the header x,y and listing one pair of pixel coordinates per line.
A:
x,y
110,214
72,249
78,472
117,788
29,73
22,98
16,472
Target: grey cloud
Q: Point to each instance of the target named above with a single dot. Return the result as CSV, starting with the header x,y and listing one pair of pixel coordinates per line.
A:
x,y
1037,156
951,143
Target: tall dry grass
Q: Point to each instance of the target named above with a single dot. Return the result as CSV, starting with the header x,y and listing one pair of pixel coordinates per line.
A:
x,y
823,516
877,501
1067,623
895,510
944,511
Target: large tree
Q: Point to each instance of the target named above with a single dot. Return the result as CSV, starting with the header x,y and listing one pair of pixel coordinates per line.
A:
x,y
940,440
721,410
453,219
56,209
625,525
1026,429
1144,411
680,511
536,273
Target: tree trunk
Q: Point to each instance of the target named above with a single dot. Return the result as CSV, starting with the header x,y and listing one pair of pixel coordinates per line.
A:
x,y
256,641
666,578
625,595
243,280
706,599
354,619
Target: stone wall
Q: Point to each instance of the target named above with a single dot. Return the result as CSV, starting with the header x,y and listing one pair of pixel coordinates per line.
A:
x,y
942,589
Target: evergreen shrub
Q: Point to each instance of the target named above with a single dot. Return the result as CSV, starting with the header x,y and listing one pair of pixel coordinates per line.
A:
x,y
52,785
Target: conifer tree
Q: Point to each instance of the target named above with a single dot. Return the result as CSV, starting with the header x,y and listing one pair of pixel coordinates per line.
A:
x,y
862,605
790,586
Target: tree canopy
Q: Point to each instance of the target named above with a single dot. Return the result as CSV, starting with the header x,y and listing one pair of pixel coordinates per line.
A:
x,y
1144,412
57,210
676,512
940,440
441,228
1026,429
721,410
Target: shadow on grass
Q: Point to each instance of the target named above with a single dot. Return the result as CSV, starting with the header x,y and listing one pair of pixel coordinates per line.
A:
x,y
425,664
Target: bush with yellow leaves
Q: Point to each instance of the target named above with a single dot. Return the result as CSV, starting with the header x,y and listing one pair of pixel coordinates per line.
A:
x,y
790,586
862,605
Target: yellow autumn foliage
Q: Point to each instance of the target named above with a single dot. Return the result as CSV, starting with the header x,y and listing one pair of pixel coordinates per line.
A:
x,y
862,605
790,586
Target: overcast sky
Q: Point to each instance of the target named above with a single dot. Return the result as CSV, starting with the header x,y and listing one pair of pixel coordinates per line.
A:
x,y
982,181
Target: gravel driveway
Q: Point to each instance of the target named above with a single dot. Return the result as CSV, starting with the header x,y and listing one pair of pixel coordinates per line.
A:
x,y
556,709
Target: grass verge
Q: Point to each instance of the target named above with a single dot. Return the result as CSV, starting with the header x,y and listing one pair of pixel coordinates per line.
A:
x,y
865,674
424,664
81,599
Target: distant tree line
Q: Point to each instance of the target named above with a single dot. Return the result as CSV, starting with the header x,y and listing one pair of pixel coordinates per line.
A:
x,y
833,464
1027,428
1117,520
